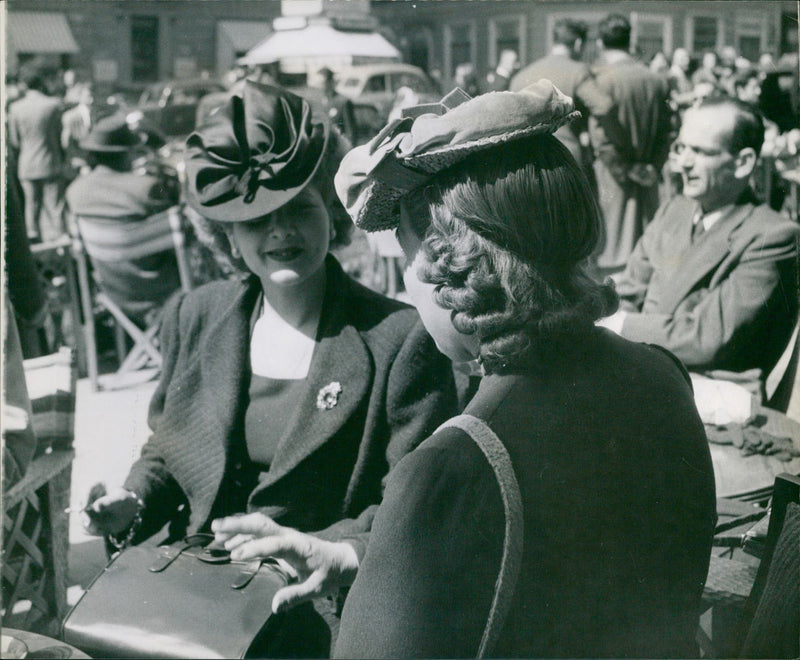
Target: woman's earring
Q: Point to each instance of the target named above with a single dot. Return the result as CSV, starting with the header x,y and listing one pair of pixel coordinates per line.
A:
x,y
235,251
332,232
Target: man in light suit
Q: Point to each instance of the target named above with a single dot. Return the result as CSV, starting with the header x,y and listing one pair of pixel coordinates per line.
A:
x,y
714,277
628,162
34,132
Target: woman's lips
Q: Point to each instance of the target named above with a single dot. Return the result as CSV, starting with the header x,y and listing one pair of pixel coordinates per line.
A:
x,y
284,254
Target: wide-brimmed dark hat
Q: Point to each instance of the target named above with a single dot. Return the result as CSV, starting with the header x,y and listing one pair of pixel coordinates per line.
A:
x,y
253,155
110,134
429,138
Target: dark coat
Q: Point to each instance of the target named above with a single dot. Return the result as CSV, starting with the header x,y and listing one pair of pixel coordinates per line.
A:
x,y
619,508
641,136
728,301
327,472
576,80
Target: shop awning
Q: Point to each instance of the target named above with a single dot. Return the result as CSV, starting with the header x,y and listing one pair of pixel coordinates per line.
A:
x,y
40,32
243,35
320,41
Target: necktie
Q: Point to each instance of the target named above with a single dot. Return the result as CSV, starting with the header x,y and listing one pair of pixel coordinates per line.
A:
x,y
698,229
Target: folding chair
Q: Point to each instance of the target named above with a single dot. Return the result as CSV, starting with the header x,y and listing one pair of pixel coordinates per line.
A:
x,y
111,241
759,603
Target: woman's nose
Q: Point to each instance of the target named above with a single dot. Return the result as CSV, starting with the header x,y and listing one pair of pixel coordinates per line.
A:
x,y
280,223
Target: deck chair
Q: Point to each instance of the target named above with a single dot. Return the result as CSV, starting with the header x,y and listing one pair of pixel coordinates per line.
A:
x,y
104,240
761,604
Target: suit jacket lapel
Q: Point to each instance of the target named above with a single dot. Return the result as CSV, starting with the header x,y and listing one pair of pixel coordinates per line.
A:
x,y
712,249
226,357
340,357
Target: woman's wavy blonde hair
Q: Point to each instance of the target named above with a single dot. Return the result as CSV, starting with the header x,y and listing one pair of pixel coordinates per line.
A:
x,y
508,235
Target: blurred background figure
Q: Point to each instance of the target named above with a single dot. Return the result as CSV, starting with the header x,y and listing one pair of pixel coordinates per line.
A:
x,y
628,162
405,97
659,63
466,78
112,191
499,79
75,126
339,108
563,66
680,85
707,71
34,132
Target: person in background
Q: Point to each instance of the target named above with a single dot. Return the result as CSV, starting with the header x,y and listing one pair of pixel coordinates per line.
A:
x,y
111,191
706,73
714,277
628,163
564,68
499,79
681,88
75,126
659,63
288,392
340,109
34,132
466,78
496,235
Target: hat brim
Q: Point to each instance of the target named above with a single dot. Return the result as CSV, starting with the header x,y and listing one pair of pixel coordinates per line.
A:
x,y
379,210
264,201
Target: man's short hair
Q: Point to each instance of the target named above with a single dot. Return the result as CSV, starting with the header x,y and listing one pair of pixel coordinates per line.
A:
x,y
35,74
748,123
615,32
568,31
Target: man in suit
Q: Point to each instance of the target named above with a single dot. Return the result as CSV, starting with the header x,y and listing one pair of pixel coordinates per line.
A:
x,y
565,69
34,132
713,278
112,191
628,162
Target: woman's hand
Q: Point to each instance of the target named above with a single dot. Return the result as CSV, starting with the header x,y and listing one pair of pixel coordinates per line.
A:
x,y
109,512
322,566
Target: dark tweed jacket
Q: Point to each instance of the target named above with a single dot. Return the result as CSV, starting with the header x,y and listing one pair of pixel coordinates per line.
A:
x,y
329,465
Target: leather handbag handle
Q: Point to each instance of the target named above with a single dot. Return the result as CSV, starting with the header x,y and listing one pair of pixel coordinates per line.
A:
x,y
497,456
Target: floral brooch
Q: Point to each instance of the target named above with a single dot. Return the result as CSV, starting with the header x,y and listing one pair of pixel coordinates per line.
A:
x,y
328,396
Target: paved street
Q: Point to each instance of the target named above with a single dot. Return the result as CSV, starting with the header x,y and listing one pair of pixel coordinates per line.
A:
x,y
110,428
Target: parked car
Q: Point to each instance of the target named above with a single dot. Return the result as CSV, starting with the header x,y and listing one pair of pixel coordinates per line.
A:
x,y
378,84
171,105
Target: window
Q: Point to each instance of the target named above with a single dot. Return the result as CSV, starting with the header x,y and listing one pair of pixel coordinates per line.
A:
x,y
459,39
751,36
376,84
412,81
704,33
506,34
144,48
650,34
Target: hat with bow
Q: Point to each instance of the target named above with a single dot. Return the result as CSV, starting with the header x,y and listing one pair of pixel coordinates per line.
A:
x,y
253,155
429,138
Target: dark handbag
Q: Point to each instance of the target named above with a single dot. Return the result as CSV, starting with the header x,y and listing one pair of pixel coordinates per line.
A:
x,y
179,601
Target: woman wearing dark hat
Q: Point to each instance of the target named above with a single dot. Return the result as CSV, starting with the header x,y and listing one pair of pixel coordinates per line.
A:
x,y
289,392
608,537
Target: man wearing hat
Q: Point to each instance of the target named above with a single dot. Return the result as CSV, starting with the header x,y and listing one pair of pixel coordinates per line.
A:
x,y
112,191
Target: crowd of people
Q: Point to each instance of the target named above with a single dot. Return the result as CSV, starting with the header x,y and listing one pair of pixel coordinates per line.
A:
x,y
302,416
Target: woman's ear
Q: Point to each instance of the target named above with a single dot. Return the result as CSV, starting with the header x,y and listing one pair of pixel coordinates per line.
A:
x,y
745,163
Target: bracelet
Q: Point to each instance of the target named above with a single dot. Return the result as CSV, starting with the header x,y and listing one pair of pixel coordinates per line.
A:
x,y
121,544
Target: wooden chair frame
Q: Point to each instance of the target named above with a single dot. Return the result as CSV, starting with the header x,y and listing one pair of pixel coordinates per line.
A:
x,y
145,351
